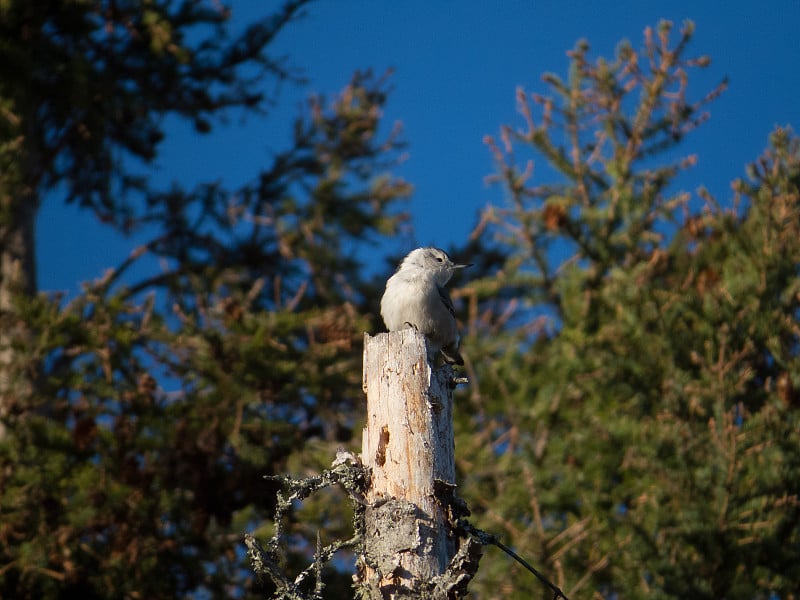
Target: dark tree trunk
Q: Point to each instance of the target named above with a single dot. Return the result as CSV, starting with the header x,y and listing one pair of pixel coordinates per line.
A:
x,y
17,277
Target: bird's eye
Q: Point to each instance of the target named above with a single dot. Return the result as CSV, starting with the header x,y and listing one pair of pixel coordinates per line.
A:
x,y
439,258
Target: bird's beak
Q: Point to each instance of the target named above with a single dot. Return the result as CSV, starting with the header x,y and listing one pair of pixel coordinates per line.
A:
x,y
462,266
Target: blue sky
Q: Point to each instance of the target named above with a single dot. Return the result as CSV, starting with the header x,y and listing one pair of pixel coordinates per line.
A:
x,y
456,68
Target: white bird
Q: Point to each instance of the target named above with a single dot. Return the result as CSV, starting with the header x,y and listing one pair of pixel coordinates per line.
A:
x,y
415,297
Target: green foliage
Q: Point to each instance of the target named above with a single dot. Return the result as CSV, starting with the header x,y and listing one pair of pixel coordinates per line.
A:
x,y
89,83
151,430
639,351
632,423
134,462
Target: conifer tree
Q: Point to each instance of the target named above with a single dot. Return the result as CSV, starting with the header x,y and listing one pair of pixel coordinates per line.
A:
x,y
631,425
84,89
142,414
635,395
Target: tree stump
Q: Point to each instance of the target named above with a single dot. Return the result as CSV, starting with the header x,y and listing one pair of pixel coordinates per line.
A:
x,y
408,446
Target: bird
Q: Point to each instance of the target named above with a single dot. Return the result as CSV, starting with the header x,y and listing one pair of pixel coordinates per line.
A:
x,y
415,297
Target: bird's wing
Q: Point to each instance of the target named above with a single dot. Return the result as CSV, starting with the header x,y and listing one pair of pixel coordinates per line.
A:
x,y
448,304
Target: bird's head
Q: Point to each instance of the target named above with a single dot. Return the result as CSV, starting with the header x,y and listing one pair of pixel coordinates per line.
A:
x,y
434,262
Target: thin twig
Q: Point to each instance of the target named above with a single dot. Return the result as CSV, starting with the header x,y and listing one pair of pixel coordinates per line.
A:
x,y
489,539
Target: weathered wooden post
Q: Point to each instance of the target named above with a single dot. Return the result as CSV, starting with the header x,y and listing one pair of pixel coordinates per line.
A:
x,y
410,548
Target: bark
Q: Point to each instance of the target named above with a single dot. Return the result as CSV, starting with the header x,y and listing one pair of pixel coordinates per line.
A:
x,y
410,547
17,276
